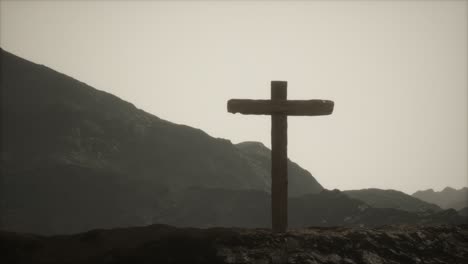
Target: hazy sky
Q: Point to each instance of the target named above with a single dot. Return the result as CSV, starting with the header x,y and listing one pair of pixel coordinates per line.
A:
x,y
397,71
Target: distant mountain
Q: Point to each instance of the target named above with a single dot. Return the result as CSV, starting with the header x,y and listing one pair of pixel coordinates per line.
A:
x,y
447,198
391,199
75,158
217,207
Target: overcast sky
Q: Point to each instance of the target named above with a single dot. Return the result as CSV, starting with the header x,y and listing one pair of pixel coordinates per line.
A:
x,y
397,71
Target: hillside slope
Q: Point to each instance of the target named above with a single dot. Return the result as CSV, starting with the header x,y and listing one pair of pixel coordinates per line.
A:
x,y
75,158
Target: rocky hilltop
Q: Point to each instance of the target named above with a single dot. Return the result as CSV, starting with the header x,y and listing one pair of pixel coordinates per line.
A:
x,y
166,244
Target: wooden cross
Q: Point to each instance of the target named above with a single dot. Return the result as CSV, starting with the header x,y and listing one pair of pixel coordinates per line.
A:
x,y
279,108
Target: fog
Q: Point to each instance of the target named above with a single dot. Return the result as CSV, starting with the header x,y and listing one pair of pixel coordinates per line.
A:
x,y
396,70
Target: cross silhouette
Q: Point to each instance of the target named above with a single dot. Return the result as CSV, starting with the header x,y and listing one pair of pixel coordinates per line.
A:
x,y
279,108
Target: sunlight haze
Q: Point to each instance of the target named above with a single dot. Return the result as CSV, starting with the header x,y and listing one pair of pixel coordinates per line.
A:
x,y
396,70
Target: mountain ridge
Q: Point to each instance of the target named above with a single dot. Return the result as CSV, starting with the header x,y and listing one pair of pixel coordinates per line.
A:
x,y
391,199
447,198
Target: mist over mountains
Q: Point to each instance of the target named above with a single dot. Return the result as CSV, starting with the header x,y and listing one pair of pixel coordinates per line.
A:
x,y
74,158
392,199
447,198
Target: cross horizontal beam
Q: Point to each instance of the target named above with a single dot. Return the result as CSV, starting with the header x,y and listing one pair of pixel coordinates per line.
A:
x,y
282,107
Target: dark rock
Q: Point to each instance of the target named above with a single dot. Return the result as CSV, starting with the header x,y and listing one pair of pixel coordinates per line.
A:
x,y
166,244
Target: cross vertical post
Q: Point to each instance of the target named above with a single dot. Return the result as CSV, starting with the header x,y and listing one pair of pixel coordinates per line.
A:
x,y
279,161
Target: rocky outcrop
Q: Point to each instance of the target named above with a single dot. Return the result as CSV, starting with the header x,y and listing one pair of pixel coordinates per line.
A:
x,y
166,244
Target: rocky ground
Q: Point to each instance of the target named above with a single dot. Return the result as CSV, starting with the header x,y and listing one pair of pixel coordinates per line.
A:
x,y
166,244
